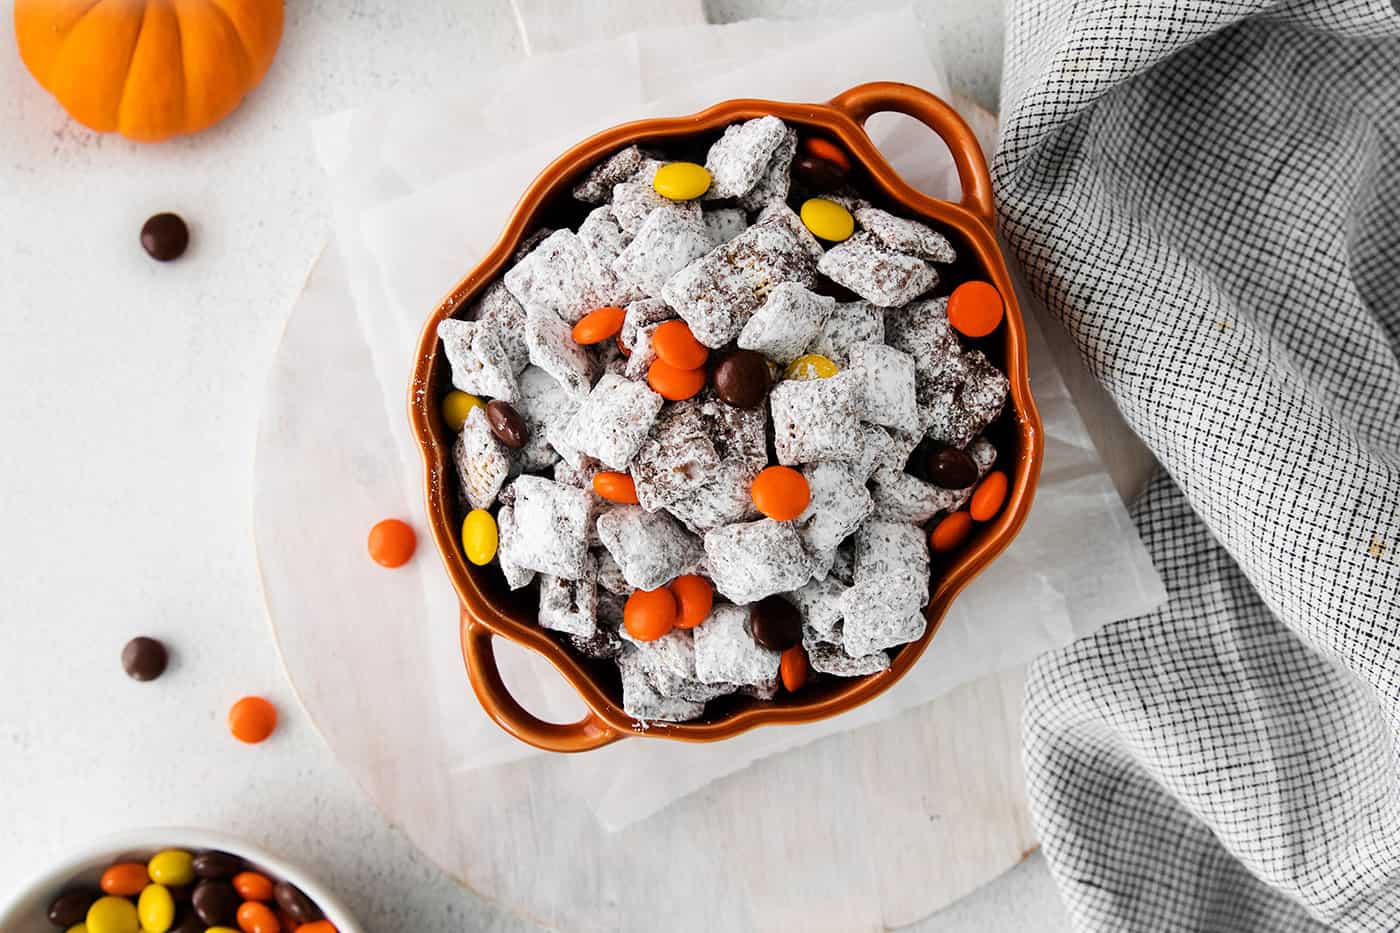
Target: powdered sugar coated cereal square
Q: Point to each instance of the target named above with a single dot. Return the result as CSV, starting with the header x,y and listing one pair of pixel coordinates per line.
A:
x,y
597,186
756,559
921,329
906,236
777,212
877,273
651,547
604,239
831,659
667,241
848,324
642,701
614,420
725,650
641,313
570,606
773,184
633,202
676,459
610,576
819,602
557,274
553,349
885,549
882,612
718,292
724,224
817,419
723,500
643,353
482,461
542,401
839,504
508,552
498,309
888,389
551,527
479,362
900,497
738,159
787,322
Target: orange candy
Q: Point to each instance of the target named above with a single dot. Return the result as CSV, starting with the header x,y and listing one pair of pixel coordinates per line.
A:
x,y
252,886
125,879
257,918
672,383
694,599
974,309
989,496
780,492
649,614
674,343
319,926
793,668
825,149
391,543
615,487
252,719
597,326
950,533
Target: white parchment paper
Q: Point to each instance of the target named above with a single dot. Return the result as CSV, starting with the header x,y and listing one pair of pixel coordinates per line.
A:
x,y
421,186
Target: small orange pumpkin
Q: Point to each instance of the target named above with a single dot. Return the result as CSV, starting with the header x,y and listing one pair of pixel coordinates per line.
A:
x,y
148,69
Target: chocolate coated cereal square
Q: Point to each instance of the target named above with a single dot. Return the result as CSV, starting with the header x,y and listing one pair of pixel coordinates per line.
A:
x,y
877,273
752,560
725,650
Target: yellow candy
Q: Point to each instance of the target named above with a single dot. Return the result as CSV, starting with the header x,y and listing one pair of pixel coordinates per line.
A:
x,y
172,868
156,907
811,366
827,219
479,537
455,407
681,181
112,915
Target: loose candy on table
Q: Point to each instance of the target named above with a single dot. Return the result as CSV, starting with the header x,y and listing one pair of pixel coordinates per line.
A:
x,y
165,237
144,658
615,486
456,405
780,492
392,543
480,537
598,325
827,220
252,719
674,384
681,181
987,500
828,151
975,308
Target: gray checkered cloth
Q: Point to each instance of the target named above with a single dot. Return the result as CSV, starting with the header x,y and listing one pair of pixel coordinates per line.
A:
x,y
1207,194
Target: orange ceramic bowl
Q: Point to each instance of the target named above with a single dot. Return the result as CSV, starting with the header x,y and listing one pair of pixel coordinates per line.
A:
x,y
490,610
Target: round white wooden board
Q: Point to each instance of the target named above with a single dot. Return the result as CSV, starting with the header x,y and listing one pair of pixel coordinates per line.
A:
x,y
865,830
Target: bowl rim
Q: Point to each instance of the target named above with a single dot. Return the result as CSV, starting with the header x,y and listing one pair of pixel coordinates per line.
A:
x,y
973,218
52,881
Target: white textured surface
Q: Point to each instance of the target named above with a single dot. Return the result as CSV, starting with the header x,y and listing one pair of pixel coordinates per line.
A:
x,y
132,394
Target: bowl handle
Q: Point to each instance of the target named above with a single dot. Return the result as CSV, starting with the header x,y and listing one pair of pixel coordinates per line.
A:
x,y
588,733
864,100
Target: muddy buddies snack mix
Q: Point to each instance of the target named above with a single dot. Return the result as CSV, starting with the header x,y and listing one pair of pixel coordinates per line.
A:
x,y
715,474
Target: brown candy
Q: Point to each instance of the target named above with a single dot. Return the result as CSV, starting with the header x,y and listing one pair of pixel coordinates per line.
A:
x,y
949,467
164,237
820,175
776,623
296,905
510,429
216,903
742,379
144,658
71,907
215,864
